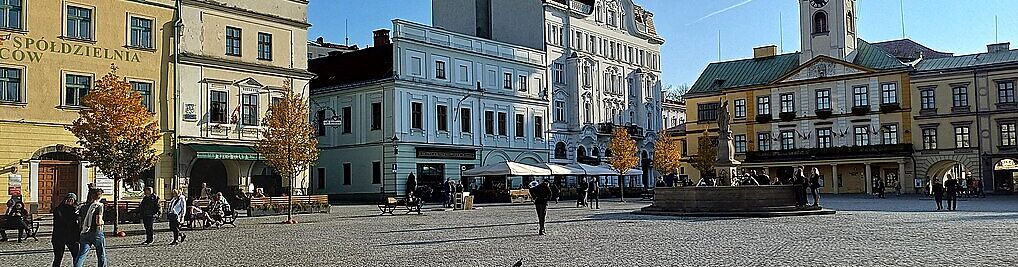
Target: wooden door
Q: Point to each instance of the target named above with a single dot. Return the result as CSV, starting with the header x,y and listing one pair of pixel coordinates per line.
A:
x,y
67,182
47,178
55,181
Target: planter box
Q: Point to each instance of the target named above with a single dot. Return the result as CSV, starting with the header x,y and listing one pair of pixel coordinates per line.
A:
x,y
887,108
764,118
824,113
859,111
787,116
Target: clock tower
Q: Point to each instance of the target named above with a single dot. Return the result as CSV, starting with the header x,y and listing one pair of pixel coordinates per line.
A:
x,y
828,27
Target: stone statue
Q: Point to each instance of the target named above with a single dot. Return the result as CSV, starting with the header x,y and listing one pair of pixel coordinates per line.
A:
x,y
726,146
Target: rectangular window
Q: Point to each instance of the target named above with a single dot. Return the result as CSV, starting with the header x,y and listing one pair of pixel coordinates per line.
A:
x,y
440,70
889,93
560,111
465,120
415,66
763,141
376,116
558,74
346,173
707,111
961,136
417,115
503,124
862,135
824,138
321,178
927,99
763,105
740,143
961,96
787,140
860,96
76,88
347,120
1005,92
462,74
523,83
376,172
233,41
1007,134
489,122
79,23
217,107
787,103
539,127
10,14
890,134
141,32
145,90
930,138
824,99
10,85
249,109
264,46
519,125
740,108
507,81
489,79
442,117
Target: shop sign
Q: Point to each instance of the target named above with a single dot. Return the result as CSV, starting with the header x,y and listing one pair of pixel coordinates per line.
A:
x,y
189,114
14,184
1006,164
106,184
446,153
22,48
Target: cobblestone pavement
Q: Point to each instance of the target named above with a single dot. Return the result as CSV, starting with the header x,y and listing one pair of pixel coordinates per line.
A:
x,y
865,232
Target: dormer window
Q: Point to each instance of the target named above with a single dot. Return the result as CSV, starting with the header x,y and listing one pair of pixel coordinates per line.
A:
x,y
820,23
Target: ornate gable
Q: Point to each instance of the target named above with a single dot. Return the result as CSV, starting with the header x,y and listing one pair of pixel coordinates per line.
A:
x,y
822,67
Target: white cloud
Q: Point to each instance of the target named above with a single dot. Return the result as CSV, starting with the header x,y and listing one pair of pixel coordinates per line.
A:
x,y
720,11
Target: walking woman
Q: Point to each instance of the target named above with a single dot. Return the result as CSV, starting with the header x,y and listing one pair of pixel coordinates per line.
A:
x,y
175,215
65,229
581,192
814,186
92,237
938,194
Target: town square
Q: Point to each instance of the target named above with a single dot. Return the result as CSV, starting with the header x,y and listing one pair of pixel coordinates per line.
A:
x,y
508,133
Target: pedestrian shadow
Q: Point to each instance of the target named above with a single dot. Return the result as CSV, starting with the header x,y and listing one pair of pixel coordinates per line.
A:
x,y
50,251
432,242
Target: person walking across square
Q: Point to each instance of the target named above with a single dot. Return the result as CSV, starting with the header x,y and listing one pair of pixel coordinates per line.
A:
x,y
581,193
149,212
593,194
951,187
175,215
938,195
814,186
92,237
541,194
65,229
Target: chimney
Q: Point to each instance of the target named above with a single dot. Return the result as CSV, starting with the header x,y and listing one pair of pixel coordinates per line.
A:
x,y
320,40
999,47
765,51
381,37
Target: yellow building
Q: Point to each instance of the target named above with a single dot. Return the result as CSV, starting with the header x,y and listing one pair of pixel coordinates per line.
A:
x,y
51,53
842,105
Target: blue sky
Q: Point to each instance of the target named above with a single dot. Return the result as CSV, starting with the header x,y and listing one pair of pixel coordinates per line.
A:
x,y
692,40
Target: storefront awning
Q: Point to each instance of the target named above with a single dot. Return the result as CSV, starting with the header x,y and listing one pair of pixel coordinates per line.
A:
x,y
225,152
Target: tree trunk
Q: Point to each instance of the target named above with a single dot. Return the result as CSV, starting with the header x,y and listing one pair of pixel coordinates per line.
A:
x,y
116,207
622,188
289,200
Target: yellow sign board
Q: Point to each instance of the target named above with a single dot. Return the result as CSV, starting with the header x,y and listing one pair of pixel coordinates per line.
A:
x,y
22,48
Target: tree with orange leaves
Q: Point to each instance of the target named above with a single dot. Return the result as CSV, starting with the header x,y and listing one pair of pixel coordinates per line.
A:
x,y
117,133
624,158
289,142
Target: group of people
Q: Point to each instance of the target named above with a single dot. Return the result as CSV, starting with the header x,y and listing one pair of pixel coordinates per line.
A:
x,y
803,184
17,215
79,228
950,189
588,193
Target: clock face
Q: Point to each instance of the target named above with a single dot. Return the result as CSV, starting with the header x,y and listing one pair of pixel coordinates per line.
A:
x,y
818,3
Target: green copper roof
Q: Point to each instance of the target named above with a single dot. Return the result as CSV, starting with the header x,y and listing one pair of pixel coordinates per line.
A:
x,y
965,61
719,76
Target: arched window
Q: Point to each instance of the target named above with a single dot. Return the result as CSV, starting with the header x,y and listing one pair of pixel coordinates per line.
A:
x,y
820,22
850,22
587,72
581,152
560,150
587,112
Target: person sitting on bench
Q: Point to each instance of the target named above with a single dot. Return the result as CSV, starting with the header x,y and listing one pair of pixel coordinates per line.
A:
x,y
20,217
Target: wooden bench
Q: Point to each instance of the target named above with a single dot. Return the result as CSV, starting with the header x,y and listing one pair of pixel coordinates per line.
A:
x,y
13,223
311,204
520,195
392,203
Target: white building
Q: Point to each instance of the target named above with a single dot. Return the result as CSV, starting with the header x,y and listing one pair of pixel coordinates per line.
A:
x,y
234,58
673,113
603,59
320,48
453,101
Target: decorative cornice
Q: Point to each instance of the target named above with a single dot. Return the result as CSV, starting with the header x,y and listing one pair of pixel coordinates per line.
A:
x,y
207,4
187,58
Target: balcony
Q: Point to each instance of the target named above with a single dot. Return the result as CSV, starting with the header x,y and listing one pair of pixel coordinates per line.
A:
x,y
834,153
889,107
823,113
607,128
764,118
787,116
860,110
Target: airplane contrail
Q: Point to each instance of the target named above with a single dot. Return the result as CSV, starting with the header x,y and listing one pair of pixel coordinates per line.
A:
x,y
720,11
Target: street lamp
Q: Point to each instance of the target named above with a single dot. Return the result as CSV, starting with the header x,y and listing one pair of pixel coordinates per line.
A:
x,y
395,176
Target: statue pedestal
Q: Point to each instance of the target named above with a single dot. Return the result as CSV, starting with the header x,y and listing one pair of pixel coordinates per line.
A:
x,y
726,173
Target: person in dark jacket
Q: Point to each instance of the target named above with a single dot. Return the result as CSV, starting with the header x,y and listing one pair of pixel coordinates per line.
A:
x,y
581,193
411,186
149,211
593,194
814,186
799,186
65,229
938,194
951,187
541,194
555,192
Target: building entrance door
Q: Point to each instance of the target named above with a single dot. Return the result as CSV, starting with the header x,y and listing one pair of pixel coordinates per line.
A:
x,y
56,179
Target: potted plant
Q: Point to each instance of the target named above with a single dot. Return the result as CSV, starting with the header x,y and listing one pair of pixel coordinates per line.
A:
x,y
823,113
889,107
860,110
763,118
787,116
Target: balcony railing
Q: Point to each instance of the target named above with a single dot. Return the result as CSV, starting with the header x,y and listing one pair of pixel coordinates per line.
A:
x,y
850,152
607,128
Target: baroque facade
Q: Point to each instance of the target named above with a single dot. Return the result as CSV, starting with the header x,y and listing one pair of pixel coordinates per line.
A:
x,y
429,103
603,65
51,54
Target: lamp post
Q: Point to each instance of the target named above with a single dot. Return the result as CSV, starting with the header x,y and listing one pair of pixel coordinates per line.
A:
x,y
395,157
